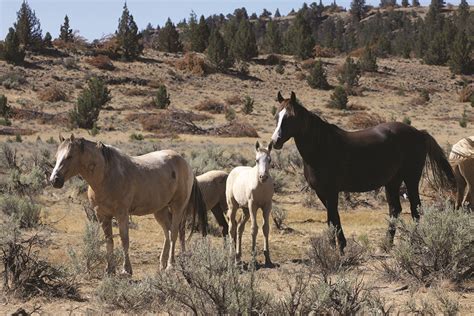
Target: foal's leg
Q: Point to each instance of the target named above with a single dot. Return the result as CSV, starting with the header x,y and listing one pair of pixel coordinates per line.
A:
x,y
467,172
231,214
163,218
123,230
240,232
253,219
333,218
106,223
266,231
394,206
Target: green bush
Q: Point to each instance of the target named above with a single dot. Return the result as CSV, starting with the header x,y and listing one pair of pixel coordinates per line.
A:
x,y
248,105
22,210
349,75
89,103
230,114
339,98
407,120
12,52
368,61
463,120
317,78
162,98
5,109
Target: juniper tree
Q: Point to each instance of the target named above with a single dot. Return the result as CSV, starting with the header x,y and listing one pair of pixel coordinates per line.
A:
x,y
339,98
266,14
405,3
199,35
65,32
28,27
277,13
415,3
12,52
273,38
317,78
47,40
462,15
368,60
299,40
244,45
218,52
349,74
168,38
358,9
128,37
460,61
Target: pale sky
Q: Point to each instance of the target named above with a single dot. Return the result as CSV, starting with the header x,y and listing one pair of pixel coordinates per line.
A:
x,y
93,19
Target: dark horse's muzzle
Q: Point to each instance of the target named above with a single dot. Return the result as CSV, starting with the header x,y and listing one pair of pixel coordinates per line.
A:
x,y
278,144
57,182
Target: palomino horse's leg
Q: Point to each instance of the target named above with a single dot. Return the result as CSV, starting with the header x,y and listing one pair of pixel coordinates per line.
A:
x,y
253,221
394,207
123,230
163,217
182,235
266,231
178,215
240,232
467,171
460,184
106,223
333,218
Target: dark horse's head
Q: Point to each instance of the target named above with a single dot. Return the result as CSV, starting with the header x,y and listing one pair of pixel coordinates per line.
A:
x,y
289,120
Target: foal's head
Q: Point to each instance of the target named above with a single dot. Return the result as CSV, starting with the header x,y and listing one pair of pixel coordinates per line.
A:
x,y
263,160
289,120
68,158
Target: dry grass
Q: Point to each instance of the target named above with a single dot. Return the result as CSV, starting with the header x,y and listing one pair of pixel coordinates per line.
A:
x,y
101,62
362,120
52,94
211,106
466,93
193,63
324,52
233,100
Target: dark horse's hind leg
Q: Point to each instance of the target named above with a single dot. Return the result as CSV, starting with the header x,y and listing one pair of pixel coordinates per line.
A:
x,y
219,215
394,207
412,183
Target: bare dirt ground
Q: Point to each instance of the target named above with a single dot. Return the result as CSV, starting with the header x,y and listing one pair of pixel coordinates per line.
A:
x,y
390,94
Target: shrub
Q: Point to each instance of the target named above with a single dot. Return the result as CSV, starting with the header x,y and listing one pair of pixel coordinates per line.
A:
x,y
193,63
317,78
368,61
211,106
273,110
22,210
89,103
279,69
13,80
339,98
26,275
214,158
279,216
70,63
349,74
438,247
52,94
101,62
463,120
135,136
5,109
272,60
12,52
324,52
162,98
230,114
407,120
362,120
248,105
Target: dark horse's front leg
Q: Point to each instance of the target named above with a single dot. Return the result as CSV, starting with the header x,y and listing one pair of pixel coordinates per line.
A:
x,y
330,200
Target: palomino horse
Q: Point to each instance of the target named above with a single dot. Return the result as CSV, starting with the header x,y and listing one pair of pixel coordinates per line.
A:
x,y
250,188
336,160
159,183
461,159
212,186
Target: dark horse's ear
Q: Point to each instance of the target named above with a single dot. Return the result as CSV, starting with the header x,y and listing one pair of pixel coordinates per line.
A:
x,y
257,145
279,97
293,97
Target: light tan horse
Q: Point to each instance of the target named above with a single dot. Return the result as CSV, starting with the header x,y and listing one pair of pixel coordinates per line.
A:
x,y
212,186
461,159
250,188
159,183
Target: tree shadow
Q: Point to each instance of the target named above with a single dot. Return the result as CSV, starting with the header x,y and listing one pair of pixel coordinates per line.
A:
x,y
242,76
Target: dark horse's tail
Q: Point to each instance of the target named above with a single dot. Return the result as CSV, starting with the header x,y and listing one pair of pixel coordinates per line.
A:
x,y
196,202
439,169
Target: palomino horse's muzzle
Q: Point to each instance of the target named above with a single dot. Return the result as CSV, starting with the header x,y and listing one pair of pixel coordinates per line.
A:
x,y
263,177
57,181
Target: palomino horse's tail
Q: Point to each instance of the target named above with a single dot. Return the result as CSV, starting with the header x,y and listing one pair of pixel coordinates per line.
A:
x,y
439,170
196,202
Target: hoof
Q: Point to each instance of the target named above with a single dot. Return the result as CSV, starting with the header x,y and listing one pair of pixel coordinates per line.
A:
x,y
270,265
125,274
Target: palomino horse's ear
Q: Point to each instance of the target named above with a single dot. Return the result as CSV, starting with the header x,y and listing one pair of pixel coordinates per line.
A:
x,y
279,97
257,145
293,97
100,145
270,146
61,138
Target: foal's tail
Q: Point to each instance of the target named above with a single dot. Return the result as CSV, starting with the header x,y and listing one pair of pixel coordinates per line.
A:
x,y
196,201
439,169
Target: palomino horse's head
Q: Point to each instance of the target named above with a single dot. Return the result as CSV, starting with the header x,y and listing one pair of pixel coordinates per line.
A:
x,y
288,120
263,160
68,159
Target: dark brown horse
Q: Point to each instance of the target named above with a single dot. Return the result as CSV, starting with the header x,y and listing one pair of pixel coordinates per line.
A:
x,y
336,160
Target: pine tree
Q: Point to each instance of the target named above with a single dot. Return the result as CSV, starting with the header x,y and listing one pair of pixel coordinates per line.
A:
x,y
462,16
47,40
299,40
437,52
218,52
168,38
199,35
358,9
128,37
12,52
317,78
339,98
65,33
368,60
387,3
349,75
244,45
415,3
266,14
277,13
460,61
273,39
28,27
405,3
